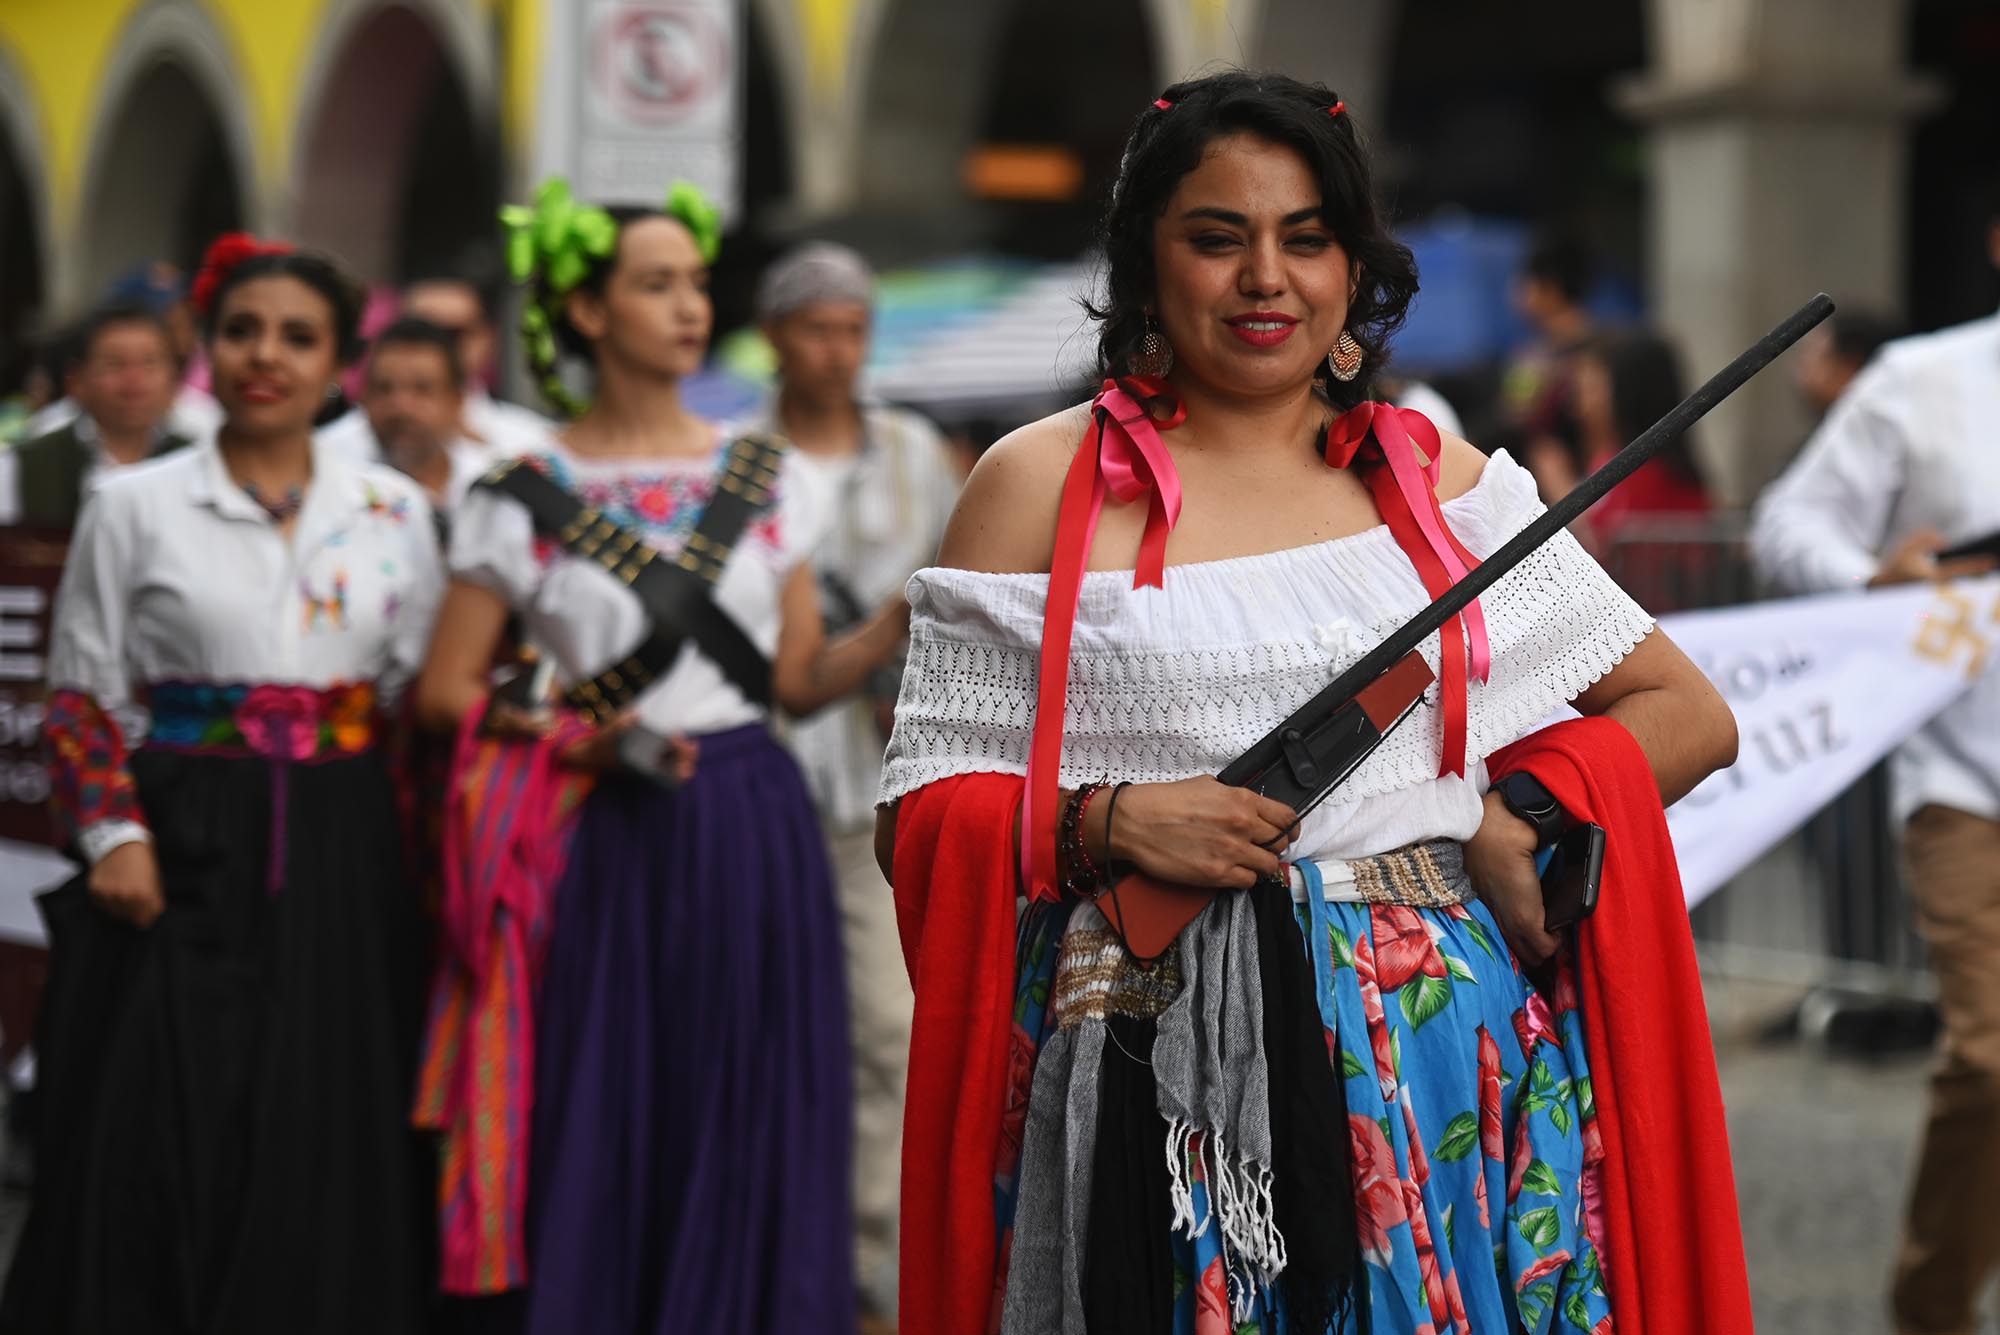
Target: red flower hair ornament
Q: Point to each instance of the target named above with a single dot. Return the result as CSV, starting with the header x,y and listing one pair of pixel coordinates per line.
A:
x,y
224,254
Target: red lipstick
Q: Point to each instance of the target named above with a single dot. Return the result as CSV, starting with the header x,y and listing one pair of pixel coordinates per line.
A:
x,y
1263,329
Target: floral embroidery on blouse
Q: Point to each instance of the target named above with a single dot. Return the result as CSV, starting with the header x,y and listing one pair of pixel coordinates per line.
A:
x,y
665,507
395,511
89,781
333,607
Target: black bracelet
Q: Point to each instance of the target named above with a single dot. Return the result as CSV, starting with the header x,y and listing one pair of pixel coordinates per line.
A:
x,y
1110,815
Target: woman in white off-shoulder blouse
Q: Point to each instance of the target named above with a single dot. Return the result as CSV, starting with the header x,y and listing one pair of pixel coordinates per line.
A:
x,y
1253,286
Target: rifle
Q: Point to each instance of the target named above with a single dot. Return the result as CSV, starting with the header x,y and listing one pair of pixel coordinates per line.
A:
x,y
1326,739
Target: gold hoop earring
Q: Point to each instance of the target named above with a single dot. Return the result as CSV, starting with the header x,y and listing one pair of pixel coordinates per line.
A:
x,y
1156,355
1344,362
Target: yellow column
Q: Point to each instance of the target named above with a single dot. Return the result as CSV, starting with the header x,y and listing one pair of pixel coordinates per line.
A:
x,y
829,32
61,50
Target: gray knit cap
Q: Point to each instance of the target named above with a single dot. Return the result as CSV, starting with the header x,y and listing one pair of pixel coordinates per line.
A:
x,y
814,272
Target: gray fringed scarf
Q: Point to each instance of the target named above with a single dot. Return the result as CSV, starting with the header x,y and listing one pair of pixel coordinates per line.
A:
x,y
1209,1061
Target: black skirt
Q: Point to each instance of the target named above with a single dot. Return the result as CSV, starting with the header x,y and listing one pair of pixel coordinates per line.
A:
x,y
226,1142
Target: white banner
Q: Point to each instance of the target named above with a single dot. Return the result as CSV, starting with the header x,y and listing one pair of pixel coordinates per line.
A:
x,y
1822,689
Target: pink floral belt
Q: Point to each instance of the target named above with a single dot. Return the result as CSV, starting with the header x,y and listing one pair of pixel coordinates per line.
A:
x,y
285,725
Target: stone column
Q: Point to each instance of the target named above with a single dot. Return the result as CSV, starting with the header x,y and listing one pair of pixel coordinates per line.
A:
x,y
1778,140
1342,43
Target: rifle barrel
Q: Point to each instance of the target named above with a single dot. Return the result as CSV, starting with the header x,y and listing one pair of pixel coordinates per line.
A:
x,y
1512,552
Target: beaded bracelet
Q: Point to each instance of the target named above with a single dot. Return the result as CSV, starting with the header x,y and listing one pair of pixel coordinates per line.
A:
x,y
1082,875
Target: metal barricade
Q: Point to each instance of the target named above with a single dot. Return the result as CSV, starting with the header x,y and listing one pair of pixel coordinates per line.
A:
x,y
1827,904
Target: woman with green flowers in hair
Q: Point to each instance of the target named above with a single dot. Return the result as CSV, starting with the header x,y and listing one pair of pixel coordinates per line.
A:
x,y
686,1158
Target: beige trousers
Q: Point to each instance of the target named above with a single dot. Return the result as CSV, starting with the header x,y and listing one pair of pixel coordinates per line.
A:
x,y
880,1005
1951,1247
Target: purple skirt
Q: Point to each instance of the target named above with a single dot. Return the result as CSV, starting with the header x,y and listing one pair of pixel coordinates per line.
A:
x,y
689,1165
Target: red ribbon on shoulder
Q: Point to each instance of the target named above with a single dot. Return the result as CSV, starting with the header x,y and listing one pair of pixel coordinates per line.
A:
x,y
1122,455
1382,440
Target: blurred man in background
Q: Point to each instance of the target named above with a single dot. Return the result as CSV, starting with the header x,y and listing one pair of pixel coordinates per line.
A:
x,y
121,387
895,484
413,399
159,290
1832,355
455,306
1902,467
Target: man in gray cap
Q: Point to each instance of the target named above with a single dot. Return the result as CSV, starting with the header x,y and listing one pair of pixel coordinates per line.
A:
x,y
895,484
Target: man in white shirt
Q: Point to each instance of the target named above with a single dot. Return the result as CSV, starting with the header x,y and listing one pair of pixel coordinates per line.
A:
x,y
895,485
159,289
1904,466
413,397
122,385
506,429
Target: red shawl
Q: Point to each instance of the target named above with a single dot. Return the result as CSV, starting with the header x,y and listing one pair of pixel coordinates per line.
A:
x,y
1675,1266
955,883
1675,1250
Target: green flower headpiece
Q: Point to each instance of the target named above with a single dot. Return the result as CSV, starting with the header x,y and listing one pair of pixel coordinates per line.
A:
x,y
552,248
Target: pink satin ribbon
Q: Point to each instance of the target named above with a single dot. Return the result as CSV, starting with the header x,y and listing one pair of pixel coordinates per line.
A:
x,y
1398,432
1121,455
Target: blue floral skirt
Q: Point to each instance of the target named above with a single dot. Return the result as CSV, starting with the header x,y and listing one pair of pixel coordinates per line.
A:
x,y
1472,1129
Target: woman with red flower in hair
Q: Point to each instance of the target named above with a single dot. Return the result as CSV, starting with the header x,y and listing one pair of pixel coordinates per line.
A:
x,y
230,1031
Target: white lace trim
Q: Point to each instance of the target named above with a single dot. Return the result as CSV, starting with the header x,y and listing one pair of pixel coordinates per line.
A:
x,y
1169,684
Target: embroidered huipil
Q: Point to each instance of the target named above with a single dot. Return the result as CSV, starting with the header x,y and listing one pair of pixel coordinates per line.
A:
x,y
177,575
587,619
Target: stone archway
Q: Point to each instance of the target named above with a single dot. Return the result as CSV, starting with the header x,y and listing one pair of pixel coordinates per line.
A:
x,y
164,181
396,168
23,225
1070,77
922,80
171,161
937,81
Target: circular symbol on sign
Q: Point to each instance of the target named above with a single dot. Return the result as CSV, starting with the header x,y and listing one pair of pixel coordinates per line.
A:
x,y
657,65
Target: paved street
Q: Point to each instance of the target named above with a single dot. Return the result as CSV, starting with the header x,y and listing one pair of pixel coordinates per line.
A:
x,y
1822,1145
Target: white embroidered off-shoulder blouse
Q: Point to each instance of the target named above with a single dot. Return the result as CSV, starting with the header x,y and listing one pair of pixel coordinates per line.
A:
x,y
1169,683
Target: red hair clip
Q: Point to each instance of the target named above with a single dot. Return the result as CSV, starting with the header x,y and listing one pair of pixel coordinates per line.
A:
x,y
1336,108
228,250
1161,104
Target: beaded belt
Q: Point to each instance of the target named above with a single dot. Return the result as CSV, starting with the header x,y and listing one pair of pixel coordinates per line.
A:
x,y
284,725
1095,978
1429,875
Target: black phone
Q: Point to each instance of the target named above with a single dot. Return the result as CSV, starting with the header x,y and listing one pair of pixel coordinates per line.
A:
x,y
1985,546
1571,876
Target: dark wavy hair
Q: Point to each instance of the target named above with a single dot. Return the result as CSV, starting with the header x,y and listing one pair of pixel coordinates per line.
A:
x,y
1168,142
1646,382
344,296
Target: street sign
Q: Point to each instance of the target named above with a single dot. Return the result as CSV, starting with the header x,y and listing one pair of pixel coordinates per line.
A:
x,y
659,100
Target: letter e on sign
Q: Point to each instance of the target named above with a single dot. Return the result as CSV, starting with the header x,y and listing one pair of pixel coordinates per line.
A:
x,y
21,611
